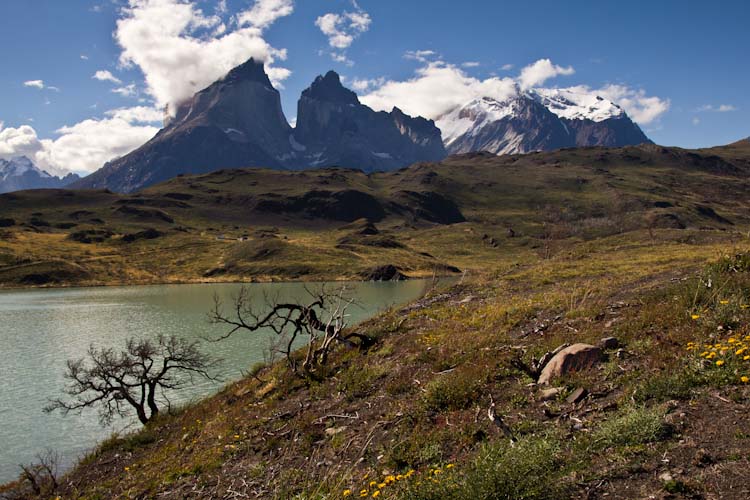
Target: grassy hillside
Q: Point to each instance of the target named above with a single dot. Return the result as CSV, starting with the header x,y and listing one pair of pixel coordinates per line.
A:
x,y
408,418
429,218
648,245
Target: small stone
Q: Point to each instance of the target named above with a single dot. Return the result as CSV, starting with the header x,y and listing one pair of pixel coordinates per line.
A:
x,y
577,395
547,394
666,477
609,343
620,354
332,431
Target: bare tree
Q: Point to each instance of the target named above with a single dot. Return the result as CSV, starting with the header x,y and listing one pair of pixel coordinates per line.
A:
x,y
322,321
136,378
41,476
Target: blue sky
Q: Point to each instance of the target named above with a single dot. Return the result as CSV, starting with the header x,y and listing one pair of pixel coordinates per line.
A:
x,y
681,66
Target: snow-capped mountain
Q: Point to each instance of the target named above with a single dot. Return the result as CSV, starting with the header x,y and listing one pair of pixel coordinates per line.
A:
x,y
20,173
538,120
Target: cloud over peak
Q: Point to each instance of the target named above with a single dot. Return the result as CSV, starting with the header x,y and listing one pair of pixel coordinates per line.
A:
x,y
181,50
439,87
539,72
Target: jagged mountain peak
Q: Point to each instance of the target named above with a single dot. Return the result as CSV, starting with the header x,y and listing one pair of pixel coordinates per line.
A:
x,y
329,88
251,70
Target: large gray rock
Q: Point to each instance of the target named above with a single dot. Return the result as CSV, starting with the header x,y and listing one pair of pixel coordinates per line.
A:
x,y
576,358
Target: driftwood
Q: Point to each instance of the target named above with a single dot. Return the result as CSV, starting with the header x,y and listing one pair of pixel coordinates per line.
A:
x,y
498,421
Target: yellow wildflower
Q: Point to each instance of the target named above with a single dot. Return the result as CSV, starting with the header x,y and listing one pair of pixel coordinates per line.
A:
x,y
450,466
373,483
720,362
745,358
723,302
363,493
382,485
695,316
127,469
376,494
740,351
745,379
347,492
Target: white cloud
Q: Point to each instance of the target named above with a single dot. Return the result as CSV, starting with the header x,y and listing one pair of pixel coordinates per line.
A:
x,y
180,51
420,55
126,91
21,141
470,64
436,88
342,29
506,67
106,76
696,121
542,70
264,13
722,108
84,57
439,87
641,108
37,84
364,84
85,146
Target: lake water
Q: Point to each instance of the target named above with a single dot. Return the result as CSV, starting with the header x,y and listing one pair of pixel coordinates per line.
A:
x,y
41,329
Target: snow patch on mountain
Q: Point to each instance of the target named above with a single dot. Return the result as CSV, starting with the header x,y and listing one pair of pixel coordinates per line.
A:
x,y
574,104
470,119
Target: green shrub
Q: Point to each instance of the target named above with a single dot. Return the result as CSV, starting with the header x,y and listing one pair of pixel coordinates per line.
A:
x,y
678,385
529,470
635,426
358,380
452,391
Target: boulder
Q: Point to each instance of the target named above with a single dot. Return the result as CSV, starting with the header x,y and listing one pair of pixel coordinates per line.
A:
x,y
575,358
609,343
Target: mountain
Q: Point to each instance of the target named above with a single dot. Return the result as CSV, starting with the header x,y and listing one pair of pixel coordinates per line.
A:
x,y
235,122
336,129
538,120
238,122
20,173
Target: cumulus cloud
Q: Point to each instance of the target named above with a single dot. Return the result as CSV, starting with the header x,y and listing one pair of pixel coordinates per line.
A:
x,y
21,141
542,70
85,146
721,108
643,109
439,87
342,29
37,84
106,76
181,50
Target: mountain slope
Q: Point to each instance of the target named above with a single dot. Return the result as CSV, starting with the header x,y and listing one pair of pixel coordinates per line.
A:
x,y
20,173
336,129
235,122
538,120
238,122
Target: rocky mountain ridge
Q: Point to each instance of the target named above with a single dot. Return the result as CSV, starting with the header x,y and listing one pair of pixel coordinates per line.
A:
x,y
238,122
538,120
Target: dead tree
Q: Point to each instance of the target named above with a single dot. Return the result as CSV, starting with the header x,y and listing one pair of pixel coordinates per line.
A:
x,y
40,477
322,322
136,378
